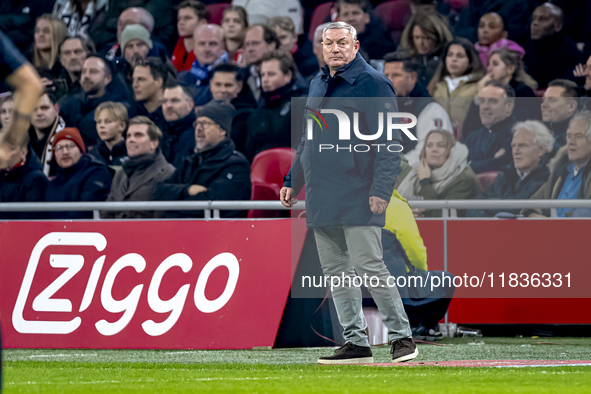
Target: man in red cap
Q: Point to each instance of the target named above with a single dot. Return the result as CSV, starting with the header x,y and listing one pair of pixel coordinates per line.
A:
x,y
79,176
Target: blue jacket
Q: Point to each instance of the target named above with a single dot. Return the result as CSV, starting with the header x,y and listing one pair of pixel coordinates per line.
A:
x,y
339,184
87,180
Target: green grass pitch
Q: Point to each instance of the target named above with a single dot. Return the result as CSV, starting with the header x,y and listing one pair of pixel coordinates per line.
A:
x,y
295,371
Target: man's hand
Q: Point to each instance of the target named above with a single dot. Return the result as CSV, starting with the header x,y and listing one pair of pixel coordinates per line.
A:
x,y
500,153
580,70
286,196
47,84
424,171
418,212
377,205
196,189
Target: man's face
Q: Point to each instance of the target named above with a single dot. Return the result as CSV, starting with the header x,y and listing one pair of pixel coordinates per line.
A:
x,y
187,22
272,78
44,113
424,42
339,48
72,55
353,15
107,127
494,106
132,16
544,23
255,46
490,29
318,48
176,104
144,85
138,141
578,142
555,107
526,154
207,133
93,78
209,44
67,153
135,47
224,86
287,39
404,82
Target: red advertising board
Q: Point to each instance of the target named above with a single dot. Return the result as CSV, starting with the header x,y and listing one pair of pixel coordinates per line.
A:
x,y
152,284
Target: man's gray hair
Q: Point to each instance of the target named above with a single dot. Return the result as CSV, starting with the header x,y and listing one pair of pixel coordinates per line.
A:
x,y
341,25
585,116
542,135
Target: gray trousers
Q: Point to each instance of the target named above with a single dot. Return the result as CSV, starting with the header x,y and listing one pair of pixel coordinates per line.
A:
x,y
344,250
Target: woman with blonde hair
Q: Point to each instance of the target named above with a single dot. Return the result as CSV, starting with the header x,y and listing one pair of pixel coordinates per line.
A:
x,y
443,173
455,82
50,31
424,37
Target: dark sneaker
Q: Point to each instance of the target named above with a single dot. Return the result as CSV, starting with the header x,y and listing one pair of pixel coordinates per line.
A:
x,y
418,333
432,335
403,350
349,353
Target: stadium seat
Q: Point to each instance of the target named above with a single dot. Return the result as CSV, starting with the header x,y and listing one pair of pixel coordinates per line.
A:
x,y
217,11
540,92
321,12
266,175
486,179
394,15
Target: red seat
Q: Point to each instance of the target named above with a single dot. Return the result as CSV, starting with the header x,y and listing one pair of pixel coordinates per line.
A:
x,y
321,12
540,92
217,11
486,179
394,15
266,174
457,5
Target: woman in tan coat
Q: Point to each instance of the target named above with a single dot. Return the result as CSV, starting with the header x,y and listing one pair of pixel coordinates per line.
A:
x,y
455,82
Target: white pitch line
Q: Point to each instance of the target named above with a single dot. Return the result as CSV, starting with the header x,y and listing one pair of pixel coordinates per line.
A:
x,y
140,380
63,355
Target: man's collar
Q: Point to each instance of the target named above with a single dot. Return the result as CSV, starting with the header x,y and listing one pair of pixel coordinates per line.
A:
x,y
350,71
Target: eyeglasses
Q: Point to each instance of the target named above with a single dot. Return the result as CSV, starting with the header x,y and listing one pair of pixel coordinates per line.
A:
x,y
203,124
68,147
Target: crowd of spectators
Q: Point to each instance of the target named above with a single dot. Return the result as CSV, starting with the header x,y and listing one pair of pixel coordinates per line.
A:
x,y
159,100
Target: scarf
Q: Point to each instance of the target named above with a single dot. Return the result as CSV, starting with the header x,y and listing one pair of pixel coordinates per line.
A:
x,y
201,73
440,177
140,162
453,83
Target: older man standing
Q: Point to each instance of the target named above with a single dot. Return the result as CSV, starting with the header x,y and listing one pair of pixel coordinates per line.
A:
x,y
347,195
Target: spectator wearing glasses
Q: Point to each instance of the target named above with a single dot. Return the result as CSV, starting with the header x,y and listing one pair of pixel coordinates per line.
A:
x,y
79,177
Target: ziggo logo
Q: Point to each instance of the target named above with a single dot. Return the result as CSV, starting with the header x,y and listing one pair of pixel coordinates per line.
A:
x,y
74,263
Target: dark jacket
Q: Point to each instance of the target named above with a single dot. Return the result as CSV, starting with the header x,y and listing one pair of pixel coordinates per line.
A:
x,y
102,153
552,188
508,186
339,184
179,139
78,111
551,57
559,130
429,64
23,184
375,40
17,19
515,13
270,126
136,181
161,10
87,180
484,143
137,108
304,57
222,170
